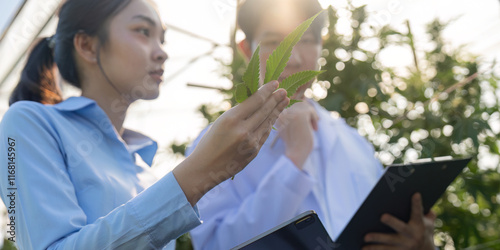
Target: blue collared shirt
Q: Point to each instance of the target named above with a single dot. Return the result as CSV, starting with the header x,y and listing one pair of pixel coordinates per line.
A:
x,y
77,184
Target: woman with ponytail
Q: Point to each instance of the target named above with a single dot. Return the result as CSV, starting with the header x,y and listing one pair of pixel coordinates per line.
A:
x,y
73,177
37,81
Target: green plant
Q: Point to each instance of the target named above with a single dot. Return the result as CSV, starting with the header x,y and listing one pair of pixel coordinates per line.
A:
x,y
275,65
440,105
443,104
8,245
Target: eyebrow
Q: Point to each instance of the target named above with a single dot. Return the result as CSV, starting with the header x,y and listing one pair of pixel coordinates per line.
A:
x,y
151,22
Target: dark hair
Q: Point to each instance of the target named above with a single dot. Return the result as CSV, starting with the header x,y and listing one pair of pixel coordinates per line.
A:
x,y
251,12
37,81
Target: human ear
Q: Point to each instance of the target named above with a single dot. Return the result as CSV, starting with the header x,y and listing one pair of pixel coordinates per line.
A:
x,y
245,48
86,47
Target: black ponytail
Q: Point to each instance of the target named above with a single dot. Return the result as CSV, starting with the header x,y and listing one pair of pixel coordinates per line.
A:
x,y
37,81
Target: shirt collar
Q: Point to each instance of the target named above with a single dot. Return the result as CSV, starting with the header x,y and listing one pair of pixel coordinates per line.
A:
x,y
141,144
74,103
135,142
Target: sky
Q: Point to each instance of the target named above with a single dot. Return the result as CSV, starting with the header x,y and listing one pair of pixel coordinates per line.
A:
x,y
7,12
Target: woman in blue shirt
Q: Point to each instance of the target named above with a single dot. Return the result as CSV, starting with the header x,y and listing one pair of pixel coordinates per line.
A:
x,y
72,177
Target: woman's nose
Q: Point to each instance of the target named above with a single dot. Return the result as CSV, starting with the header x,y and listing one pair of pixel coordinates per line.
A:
x,y
160,55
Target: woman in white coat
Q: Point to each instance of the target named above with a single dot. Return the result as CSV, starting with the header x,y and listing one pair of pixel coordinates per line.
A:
x,y
312,161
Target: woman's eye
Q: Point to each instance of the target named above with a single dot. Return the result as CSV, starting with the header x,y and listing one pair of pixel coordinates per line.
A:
x,y
144,31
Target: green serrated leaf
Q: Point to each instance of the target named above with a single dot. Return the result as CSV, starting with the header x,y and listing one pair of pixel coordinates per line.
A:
x,y
278,59
251,76
241,93
292,102
294,81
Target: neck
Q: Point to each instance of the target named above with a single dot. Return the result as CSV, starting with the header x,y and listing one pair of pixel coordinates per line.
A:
x,y
112,103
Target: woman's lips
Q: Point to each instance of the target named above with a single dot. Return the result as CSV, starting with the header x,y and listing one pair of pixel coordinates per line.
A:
x,y
157,76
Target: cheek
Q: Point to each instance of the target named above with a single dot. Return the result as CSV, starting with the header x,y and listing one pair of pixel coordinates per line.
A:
x,y
133,54
128,61
311,60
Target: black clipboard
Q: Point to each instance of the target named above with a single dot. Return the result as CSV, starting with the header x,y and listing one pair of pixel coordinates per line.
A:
x,y
304,231
392,194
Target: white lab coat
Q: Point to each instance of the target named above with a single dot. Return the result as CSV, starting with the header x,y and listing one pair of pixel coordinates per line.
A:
x,y
271,189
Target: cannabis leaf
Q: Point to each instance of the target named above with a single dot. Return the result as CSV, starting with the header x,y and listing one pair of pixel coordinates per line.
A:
x,y
292,102
251,76
241,92
275,65
294,81
278,59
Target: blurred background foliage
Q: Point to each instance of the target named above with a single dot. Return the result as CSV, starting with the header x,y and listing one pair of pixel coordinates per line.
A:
x,y
443,104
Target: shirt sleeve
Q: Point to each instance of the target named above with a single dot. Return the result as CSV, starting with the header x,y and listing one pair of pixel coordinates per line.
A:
x,y
45,208
226,214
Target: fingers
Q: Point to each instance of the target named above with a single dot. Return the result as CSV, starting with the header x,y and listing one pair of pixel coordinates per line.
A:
x,y
265,111
314,120
299,111
431,215
416,217
255,102
309,110
396,224
429,220
265,127
390,239
416,234
417,210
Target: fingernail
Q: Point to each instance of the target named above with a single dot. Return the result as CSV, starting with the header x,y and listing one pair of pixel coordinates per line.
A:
x,y
383,218
417,197
275,84
282,93
285,102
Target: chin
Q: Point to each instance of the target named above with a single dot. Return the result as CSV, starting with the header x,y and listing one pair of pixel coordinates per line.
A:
x,y
152,96
147,95
146,91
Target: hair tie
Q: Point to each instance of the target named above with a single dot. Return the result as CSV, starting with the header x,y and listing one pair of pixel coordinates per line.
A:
x,y
52,41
